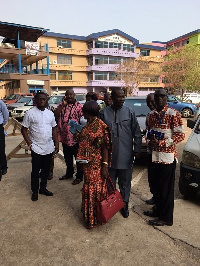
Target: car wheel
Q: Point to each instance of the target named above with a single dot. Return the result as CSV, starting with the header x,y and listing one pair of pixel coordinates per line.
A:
x,y
186,191
186,112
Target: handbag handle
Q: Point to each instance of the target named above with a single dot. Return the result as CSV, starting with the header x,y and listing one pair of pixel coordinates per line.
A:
x,y
109,185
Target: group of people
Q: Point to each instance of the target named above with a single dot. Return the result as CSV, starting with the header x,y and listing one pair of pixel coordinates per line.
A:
x,y
108,142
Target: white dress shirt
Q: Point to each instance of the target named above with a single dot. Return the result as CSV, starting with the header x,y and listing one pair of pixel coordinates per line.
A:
x,y
40,124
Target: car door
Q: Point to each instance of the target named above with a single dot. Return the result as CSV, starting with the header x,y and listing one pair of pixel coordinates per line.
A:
x,y
174,103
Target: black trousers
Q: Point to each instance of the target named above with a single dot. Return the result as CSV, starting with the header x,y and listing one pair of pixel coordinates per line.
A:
x,y
151,178
3,161
40,162
164,175
124,181
69,152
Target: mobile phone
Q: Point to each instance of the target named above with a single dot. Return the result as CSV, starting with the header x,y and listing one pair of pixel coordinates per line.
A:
x,y
82,161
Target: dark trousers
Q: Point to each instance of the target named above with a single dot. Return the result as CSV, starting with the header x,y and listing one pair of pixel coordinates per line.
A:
x,y
151,178
164,175
69,152
124,181
3,161
40,162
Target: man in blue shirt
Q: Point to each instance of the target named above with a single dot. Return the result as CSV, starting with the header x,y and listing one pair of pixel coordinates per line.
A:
x,y
4,115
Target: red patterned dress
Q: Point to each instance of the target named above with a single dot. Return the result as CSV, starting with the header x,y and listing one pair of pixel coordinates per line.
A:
x,y
91,138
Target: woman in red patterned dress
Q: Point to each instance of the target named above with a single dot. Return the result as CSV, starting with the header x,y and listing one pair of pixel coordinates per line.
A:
x,y
95,147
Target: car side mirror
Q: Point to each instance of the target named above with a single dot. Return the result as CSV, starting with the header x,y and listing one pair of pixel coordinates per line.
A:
x,y
191,123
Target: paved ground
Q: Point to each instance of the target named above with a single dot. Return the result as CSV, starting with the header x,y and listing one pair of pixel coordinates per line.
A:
x,y
51,231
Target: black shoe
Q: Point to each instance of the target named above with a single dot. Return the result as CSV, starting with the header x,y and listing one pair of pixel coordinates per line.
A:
x,y
125,211
151,213
34,197
159,222
66,176
4,171
45,192
150,201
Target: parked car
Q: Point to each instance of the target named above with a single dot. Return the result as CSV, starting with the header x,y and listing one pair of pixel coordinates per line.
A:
x,y
186,109
21,102
191,97
18,113
55,100
189,180
15,97
139,105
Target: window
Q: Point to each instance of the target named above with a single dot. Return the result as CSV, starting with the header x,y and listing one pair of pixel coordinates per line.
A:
x,y
90,45
112,76
64,75
52,75
99,60
64,59
99,44
101,76
185,42
90,61
90,76
177,45
115,45
154,79
144,79
115,60
128,47
64,43
144,52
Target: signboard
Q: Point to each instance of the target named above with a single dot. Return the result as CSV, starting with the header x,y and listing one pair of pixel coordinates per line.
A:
x,y
32,48
35,82
114,38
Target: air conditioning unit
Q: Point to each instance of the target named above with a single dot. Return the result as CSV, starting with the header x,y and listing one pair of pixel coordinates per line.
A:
x,y
54,62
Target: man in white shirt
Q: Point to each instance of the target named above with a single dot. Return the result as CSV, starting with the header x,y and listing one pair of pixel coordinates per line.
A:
x,y
42,140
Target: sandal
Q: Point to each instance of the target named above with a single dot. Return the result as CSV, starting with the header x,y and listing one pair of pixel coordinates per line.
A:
x,y
76,181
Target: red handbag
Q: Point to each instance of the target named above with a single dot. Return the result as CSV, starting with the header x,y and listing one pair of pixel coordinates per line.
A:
x,y
109,206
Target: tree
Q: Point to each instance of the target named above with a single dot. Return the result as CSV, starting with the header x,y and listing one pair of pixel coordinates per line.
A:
x,y
133,71
181,68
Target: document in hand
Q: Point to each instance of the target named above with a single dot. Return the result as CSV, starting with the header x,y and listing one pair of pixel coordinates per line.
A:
x,y
74,126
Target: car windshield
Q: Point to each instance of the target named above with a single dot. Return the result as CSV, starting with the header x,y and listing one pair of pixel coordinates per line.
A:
x,y
12,97
56,99
138,105
30,103
24,100
172,99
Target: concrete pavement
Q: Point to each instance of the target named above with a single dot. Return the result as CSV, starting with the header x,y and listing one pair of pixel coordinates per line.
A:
x,y
51,231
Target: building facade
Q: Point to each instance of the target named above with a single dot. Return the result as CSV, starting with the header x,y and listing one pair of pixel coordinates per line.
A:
x,y
90,63
21,57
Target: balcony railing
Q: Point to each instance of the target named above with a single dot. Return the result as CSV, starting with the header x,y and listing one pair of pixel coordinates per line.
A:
x,y
9,68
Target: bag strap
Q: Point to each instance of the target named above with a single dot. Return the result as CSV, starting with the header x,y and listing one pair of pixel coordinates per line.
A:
x,y
110,186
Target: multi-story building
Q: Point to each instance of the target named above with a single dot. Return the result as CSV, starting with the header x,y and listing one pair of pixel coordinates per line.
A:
x,y
151,78
191,37
21,57
90,63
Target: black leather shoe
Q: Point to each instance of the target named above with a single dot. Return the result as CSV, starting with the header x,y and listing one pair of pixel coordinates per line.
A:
x,y
150,201
65,177
125,211
34,197
151,213
159,222
4,171
45,192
